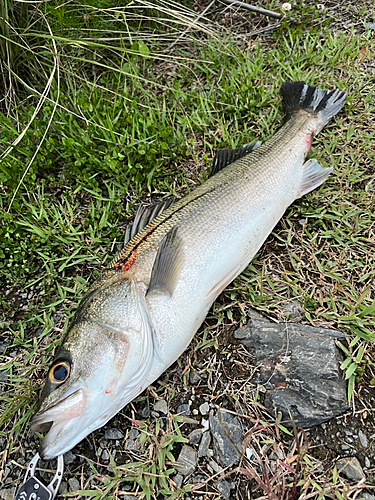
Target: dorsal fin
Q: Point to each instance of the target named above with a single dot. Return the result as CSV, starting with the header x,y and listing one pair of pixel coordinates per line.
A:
x,y
145,214
225,157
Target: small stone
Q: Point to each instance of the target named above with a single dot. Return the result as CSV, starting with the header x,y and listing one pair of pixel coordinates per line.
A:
x,y
204,408
99,452
370,26
223,425
73,484
367,462
292,311
145,412
113,434
366,496
350,468
105,455
363,439
63,488
161,406
215,466
205,443
133,433
178,479
345,447
187,460
224,488
184,410
7,494
195,412
195,436
194,377
69,458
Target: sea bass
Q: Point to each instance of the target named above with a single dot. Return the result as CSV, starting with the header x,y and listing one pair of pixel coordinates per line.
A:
x,y
138,318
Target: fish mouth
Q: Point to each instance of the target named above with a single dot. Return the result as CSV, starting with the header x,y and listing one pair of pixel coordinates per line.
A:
x,y
56,417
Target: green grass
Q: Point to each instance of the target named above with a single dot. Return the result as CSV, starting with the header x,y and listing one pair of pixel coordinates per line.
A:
x,y
109,118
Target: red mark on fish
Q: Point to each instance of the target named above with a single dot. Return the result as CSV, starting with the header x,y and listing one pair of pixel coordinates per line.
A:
x,y
125,266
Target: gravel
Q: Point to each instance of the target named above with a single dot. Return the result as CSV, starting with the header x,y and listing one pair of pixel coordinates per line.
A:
x,y
187,460
113,434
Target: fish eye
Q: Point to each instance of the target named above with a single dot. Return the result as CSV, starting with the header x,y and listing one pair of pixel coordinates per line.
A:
x,y
59,372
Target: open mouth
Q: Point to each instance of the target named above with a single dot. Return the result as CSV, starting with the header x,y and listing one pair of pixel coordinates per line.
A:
x,y
70,405
42,427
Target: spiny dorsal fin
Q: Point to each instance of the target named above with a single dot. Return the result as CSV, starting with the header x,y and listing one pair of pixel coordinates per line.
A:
x,y
167,265
225,157
145,214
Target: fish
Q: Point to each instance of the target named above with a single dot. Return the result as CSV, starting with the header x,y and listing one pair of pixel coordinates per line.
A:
x,y
145,308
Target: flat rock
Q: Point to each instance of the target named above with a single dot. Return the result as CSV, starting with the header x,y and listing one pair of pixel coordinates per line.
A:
x,y
350,468
299,369
161,406
224,488
195,436
224,426
187,460
113,434
204,445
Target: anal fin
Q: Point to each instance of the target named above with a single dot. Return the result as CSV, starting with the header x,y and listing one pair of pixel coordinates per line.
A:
x,y
313,176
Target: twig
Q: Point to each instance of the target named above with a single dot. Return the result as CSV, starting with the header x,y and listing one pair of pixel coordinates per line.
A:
x,y
188,28
258,10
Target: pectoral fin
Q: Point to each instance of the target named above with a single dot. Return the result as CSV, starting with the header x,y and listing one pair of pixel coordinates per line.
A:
x,y
313,176
167,265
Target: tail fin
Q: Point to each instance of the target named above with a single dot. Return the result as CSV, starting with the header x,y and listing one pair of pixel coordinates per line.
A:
x,y
300,96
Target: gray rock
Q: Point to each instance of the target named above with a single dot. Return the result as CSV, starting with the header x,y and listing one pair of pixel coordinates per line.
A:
x,y
365,496
113,434
205,443
4,376
145,412
3,346
363,439
299,369
105,455
350,468
178,479
204,408
224,488
133,433
223,425
367,462
69,458
215,466
99,452
63,488
73,484
184,410
194,377
7,494
161,406
370,26
195,436
187,460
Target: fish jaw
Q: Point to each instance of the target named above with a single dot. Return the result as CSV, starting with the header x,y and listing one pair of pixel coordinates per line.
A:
x,y
110,361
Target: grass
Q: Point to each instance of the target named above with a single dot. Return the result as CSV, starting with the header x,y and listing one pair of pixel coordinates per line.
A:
x,y
102,115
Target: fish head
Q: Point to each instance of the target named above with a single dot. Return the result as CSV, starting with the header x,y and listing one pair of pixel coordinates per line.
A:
x,y
101,366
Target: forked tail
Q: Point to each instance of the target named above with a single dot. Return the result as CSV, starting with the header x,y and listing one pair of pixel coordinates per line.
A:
x,y
324,104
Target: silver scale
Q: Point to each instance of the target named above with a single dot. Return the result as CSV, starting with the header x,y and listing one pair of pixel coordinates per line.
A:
x,y
33,489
